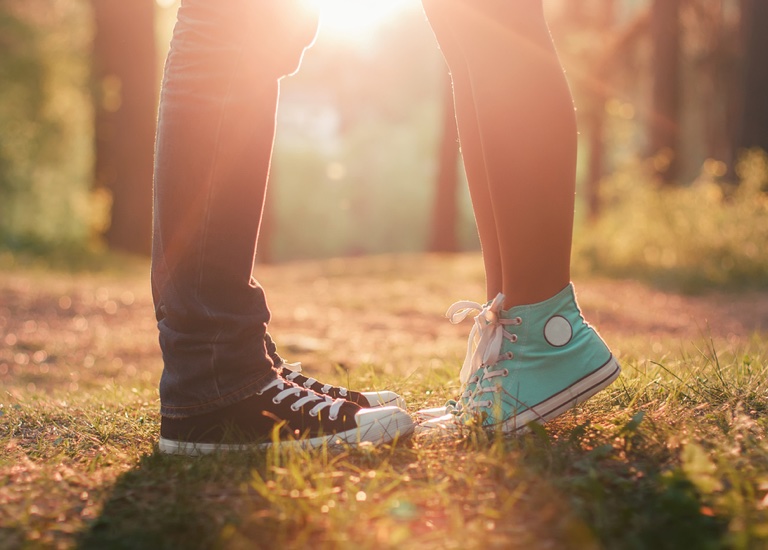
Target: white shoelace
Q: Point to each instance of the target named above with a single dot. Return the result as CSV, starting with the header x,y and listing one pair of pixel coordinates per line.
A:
x,y
486,337
290,390
295,369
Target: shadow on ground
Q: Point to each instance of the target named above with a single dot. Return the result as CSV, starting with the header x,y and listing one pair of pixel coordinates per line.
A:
x,y
582,490
173,502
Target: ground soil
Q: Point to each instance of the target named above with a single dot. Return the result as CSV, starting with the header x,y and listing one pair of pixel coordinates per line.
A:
x,y
386,312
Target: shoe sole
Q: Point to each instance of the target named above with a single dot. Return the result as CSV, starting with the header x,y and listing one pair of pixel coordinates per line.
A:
x,y
377,432
566,399
430,414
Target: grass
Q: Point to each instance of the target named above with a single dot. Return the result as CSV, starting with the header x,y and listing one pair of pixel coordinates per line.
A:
x,y
672,455
705,235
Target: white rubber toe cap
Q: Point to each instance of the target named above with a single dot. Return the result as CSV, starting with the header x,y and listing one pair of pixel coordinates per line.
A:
x,y
384,399
383,424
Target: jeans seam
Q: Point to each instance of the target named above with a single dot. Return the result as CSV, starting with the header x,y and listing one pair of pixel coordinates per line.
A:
x,y
206,225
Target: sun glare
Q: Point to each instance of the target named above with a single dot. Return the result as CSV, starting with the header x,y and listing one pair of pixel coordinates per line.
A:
x,y
357,18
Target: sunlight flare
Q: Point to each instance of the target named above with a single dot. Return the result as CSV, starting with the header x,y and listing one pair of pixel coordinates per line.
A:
x,y
356,18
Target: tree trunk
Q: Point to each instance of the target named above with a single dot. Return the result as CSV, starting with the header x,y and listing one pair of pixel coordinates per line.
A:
x,y
754,119
595,126
445,215
665,117
595,119
125,71
265,249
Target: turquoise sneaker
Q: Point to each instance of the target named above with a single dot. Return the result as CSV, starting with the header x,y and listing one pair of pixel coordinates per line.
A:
x,y
530,363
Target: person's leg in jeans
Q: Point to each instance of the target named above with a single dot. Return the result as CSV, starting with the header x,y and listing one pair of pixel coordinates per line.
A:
x,y
531,355
214,144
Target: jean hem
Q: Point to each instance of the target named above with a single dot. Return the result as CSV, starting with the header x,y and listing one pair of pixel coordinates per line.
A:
x,y
248,390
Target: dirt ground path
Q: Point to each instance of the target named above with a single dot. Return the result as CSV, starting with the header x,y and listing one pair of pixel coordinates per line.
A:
x,y
352,315
630,308
384,311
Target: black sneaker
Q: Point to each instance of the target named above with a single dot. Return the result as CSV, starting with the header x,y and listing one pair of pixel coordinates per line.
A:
x,y
292,373
300,416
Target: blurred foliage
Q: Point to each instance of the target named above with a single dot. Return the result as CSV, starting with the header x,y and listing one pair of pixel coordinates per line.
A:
x,y
355,157
689,238
356,150
45,113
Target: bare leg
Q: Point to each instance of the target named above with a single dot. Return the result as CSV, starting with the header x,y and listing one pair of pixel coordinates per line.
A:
x,y
527,134
471,147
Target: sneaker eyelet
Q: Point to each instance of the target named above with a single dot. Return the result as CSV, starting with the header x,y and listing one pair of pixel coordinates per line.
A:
x,y
518,321
333,418
513,338
294,408
312,413
276,401
505,372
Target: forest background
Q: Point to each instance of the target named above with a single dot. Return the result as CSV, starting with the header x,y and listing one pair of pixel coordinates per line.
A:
x,y
670,94
669,258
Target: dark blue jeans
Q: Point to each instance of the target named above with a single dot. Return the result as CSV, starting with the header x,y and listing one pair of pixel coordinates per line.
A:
x,y
214,143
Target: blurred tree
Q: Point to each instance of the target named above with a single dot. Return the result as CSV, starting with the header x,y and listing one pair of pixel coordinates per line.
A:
x,y
754,120
22,72
357,144
599,82
445,210
713,90
125,70
265,253
598,42
666,67
45,116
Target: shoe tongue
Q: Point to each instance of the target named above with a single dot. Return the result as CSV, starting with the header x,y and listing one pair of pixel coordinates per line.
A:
x,y
493,308
291,367
497,304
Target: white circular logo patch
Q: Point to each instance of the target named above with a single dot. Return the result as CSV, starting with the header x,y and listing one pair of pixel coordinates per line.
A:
x,y
558,331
